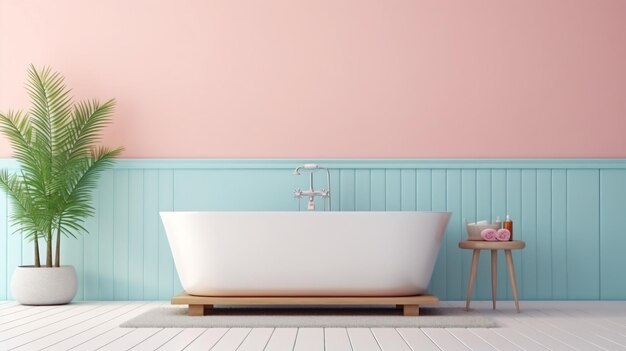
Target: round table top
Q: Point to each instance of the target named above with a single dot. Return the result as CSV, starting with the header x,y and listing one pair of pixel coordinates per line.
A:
x,y
492,245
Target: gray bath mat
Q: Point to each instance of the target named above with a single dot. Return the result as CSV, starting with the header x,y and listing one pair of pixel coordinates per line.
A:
x,y
238,317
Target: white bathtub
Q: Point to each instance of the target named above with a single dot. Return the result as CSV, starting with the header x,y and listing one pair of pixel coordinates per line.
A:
x,y
305,253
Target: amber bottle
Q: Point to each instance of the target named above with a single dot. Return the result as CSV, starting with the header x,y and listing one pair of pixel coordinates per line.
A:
x,y
508,224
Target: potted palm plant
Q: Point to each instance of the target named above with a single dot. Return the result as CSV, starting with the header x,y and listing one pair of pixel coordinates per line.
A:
x,y
51,191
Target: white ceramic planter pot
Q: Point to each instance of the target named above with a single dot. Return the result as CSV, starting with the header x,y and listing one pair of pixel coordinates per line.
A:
x,y
44,285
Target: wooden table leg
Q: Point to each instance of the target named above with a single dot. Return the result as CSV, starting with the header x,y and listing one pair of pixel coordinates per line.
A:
x,y
494,276
470,287
199,310
411,310
511,268
196,310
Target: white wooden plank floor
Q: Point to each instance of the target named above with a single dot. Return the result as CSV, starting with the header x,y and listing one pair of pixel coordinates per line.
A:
x,y
542,325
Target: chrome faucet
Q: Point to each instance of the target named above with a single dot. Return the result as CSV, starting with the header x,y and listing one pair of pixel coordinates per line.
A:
x,y
312,193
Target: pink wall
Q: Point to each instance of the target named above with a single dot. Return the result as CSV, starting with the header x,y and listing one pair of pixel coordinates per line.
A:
x,y
335,78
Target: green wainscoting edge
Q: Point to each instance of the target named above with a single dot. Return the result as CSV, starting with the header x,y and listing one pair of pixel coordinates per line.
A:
x,y
570,212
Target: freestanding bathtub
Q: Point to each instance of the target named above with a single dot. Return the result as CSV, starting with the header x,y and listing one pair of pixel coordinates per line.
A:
x,y
305,253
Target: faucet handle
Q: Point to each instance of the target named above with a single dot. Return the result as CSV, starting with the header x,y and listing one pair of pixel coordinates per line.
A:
x,y
325,193
297,193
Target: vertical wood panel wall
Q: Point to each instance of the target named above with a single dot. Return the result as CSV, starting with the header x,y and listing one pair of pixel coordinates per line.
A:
x,y
571,213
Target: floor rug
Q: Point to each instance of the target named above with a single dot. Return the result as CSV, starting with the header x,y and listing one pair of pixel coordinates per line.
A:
x,y
290,317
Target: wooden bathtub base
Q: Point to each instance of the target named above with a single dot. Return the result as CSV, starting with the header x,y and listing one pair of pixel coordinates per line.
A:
x,y
202,305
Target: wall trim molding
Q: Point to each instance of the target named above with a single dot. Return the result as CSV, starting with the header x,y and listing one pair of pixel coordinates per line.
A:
x,y
389,163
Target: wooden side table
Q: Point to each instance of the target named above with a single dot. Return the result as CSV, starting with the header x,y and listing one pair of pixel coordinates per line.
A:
x,y
494,246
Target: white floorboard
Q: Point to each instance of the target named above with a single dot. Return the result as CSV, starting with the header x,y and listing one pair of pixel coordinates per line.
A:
x,y
520,340
282,339
110,321
22,334
336,339
232,340
130,340
206,340
488,337
417,339
444,339
7,304
390,340
362,339
26,316
158,339
542,325
182,339
22,316
257,339
12,308
70,330
103,339
310,339
471,340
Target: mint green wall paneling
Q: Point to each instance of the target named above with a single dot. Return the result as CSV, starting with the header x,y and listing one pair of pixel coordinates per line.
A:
x,y
393,191
498,209
120,235
72,254
559,234
166,262
27,248
613,234
572,225
409,190
455,290
483,195
362,189
151,224
347,195
178,288
424,189
106,189
438,281
14,250
544,234
468,211
194,190
583,244
528,233
514,209
28,254
4,225
483,211
135,234
377,189
468,195
244,189
90,279
335,186
278,190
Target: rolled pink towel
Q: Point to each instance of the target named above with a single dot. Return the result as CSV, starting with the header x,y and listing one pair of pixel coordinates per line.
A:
x,y
503,234
489,234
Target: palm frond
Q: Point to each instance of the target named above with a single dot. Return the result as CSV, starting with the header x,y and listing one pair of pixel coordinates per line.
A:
x,y
54,144
25,212
88,120
79,188
52,103
17,128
